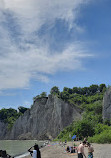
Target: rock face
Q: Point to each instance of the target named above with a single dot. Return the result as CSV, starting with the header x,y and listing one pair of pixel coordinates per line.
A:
x,y
107,105
47,117
3,130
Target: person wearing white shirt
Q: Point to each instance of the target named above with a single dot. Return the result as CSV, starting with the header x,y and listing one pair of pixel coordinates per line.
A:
x,y
36,152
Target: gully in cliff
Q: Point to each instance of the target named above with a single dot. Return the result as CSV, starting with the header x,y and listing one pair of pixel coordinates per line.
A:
x,y
36,152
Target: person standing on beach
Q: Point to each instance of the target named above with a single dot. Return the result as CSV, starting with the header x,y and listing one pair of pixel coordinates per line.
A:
x,y
36,152
80,150
90,150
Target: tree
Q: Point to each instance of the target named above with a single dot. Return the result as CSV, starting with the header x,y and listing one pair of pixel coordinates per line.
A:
x,y
69,90
83,128
9,116
55,90
102,87
84,91
43,94
64,95
75,90
93,88
6,113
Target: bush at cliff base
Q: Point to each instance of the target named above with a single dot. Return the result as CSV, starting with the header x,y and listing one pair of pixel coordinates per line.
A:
x,y
104,137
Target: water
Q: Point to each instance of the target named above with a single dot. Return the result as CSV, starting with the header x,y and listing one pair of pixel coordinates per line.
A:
x,y
18,147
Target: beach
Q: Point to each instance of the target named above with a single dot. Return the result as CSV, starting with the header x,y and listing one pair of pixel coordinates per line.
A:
x,y
57,150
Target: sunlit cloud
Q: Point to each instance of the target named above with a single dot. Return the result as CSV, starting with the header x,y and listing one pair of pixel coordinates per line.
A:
x,y
26,54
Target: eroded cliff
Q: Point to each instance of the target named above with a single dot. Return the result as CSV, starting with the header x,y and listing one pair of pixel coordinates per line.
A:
x,y
107,105
47,117
3,130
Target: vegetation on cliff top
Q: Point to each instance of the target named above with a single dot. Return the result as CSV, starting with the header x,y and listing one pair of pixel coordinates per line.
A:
x,y
10,115
88,99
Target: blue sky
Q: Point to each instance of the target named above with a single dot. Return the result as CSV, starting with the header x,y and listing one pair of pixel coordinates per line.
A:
x,y
64,43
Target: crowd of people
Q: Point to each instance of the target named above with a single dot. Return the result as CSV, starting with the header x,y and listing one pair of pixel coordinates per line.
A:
x,y
80,149
35,152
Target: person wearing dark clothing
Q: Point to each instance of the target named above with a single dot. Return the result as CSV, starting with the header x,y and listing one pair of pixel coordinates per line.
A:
x,y
36,152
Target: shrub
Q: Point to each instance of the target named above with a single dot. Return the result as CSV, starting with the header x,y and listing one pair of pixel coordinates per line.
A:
x,y
104,137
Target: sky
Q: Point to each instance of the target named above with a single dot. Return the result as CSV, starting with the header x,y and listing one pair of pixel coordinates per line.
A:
x,y
47,43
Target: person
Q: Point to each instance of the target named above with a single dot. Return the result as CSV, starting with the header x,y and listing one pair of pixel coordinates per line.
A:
x,y
68,149
36,152
90,150
0,153
85,139
4,154
80,150
72,149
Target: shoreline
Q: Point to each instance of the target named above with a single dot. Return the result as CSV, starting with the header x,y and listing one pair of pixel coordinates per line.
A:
x,y
56,150
22,155
18,148
27,154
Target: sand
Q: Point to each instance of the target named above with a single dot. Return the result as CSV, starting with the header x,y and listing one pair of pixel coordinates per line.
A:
x,y
57,150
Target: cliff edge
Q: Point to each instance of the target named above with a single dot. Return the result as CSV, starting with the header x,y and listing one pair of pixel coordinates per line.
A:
x,y
107,105
46,118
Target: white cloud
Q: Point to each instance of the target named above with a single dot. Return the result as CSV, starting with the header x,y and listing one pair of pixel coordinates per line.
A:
x,y
23,53
27,104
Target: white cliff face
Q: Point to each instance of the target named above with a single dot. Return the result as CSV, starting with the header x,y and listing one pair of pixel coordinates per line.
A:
x,y
3,130
107,105
47,117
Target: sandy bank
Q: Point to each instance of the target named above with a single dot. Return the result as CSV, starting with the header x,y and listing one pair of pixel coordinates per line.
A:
x,y
58,151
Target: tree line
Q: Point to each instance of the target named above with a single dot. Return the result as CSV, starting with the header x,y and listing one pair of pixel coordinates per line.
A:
x,y
77,95
10,115
88,99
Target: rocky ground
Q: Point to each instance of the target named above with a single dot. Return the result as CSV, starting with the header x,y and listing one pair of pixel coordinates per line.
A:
x,y
56,150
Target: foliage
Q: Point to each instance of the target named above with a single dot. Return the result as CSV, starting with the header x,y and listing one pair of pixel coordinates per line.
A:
x,y
83,128
9,116
102,87
88,99
5,114
103,137
43,94
99,128
55,90
107,122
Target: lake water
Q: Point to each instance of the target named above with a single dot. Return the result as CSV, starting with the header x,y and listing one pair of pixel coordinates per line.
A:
x,y
18,147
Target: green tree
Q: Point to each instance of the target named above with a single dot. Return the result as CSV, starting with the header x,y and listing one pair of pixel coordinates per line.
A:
x,y
102,87
7,113
55,90
69,90
64,95
75,90
9,116
93,88
83,128
43,94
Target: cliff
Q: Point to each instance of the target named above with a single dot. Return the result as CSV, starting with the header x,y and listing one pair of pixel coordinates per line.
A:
x,y
107,105
46,118
3,130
